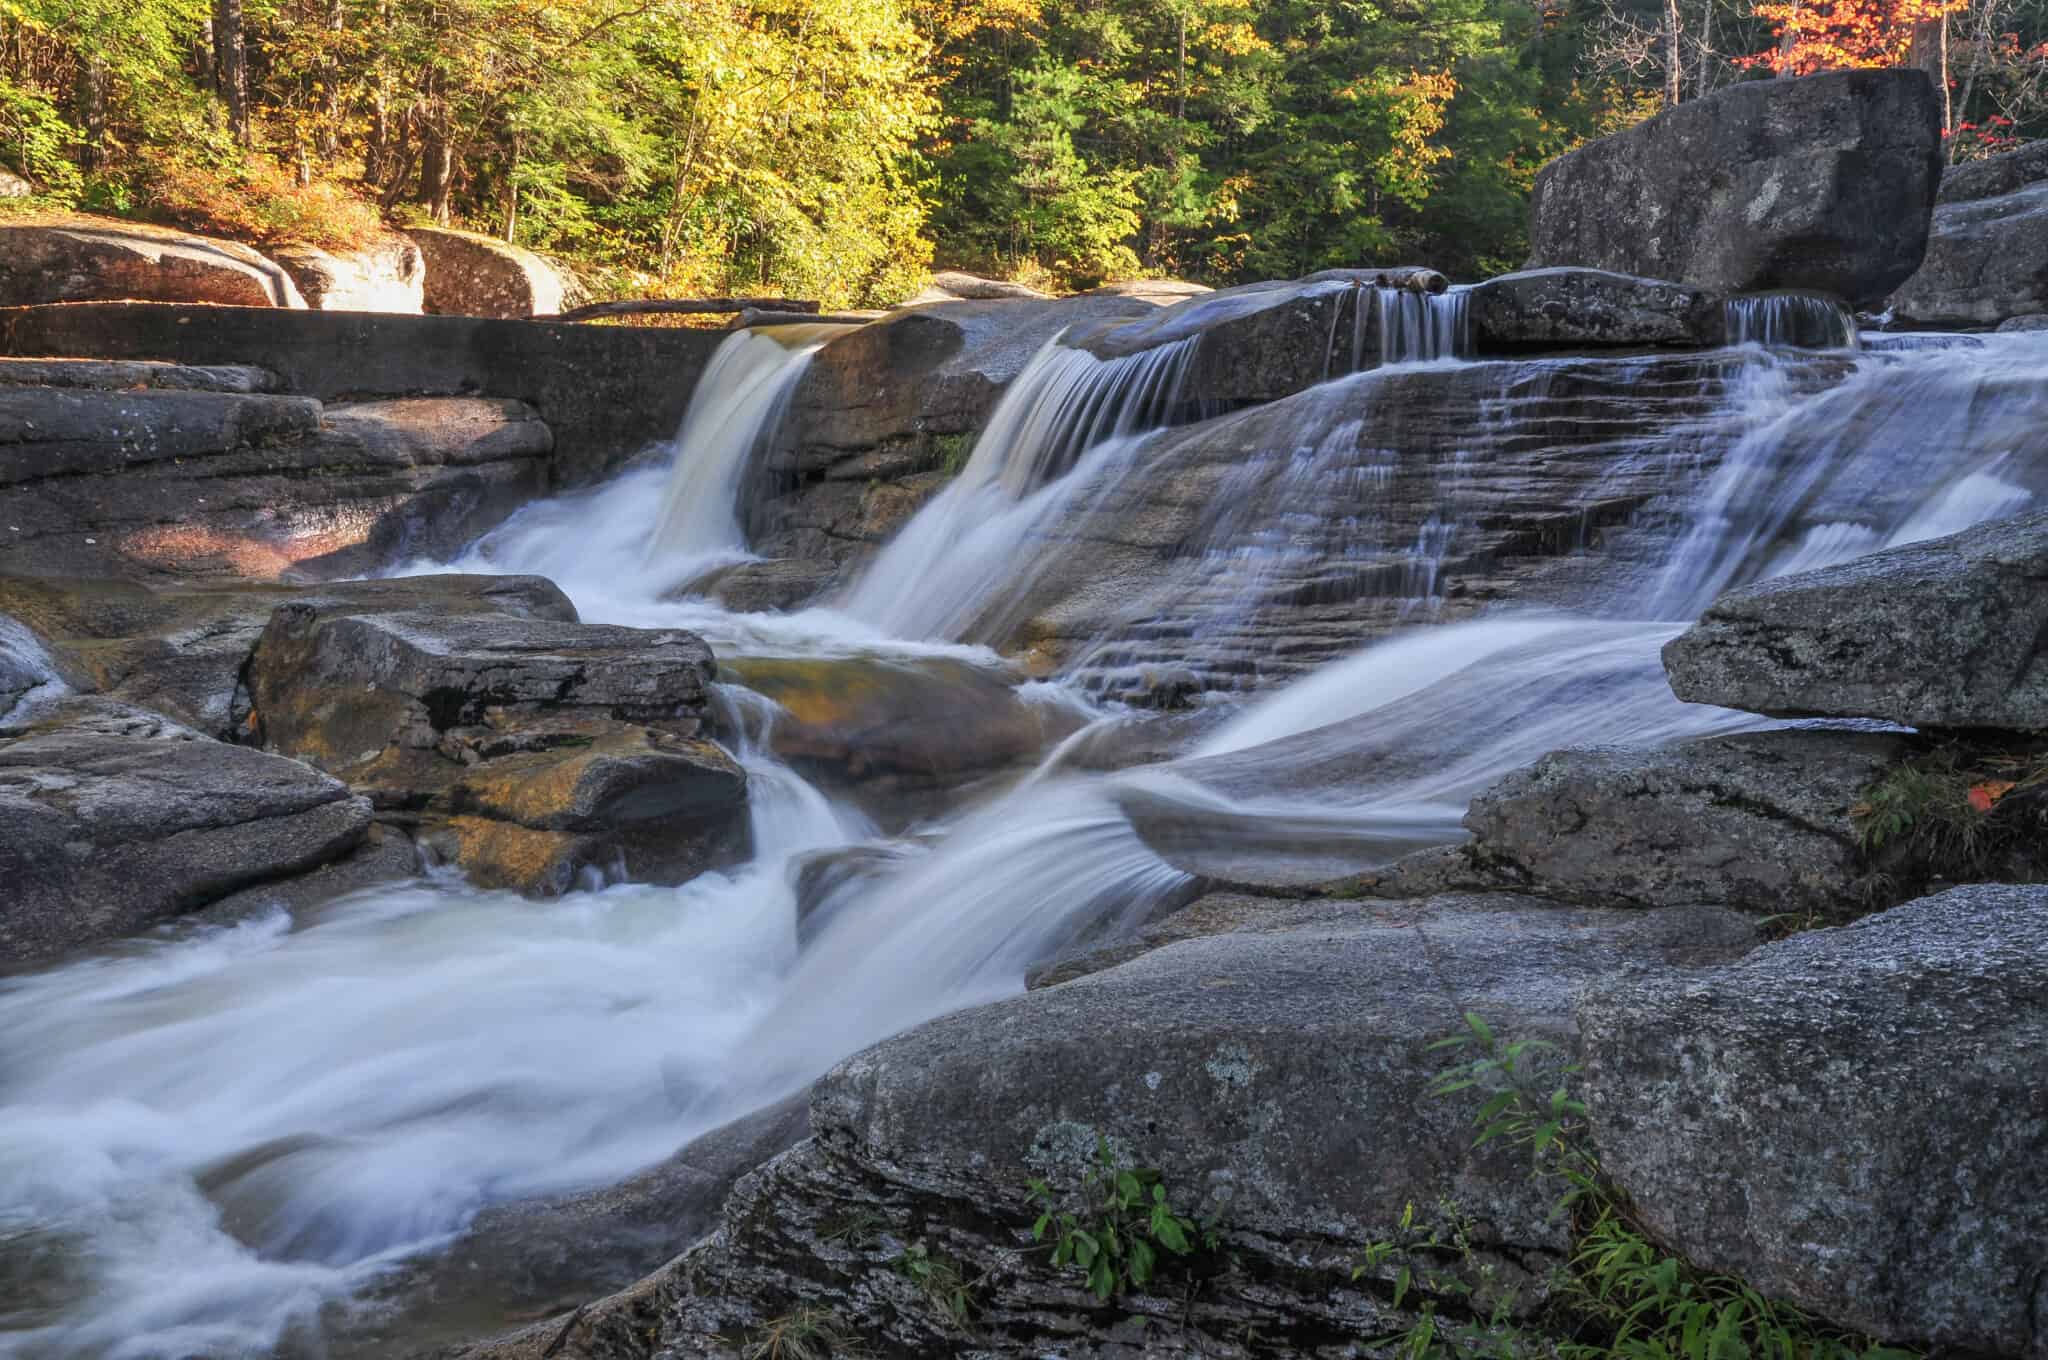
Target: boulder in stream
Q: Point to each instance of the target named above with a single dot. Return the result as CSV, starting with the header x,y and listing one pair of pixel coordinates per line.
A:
x,y
1824,182
1567,308
1987,255
1940,634
1855,1120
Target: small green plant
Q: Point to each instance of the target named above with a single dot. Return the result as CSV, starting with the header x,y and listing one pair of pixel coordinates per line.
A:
x,y
942,1281
1126,1222
953,451
805,1333
1956,812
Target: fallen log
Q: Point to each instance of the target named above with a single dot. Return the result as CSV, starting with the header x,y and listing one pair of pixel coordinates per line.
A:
x,y
683,306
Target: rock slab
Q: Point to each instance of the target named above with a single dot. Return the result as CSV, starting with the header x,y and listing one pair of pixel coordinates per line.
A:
x,y
1987,254
1855,1120
1824,182
1948,633
72,258
1569,308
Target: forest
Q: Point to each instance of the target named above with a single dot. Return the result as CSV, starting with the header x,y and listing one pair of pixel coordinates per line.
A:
x,y
841,149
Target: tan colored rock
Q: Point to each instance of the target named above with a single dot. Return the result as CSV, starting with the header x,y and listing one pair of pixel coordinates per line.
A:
x,y
388,275
473,275
76,258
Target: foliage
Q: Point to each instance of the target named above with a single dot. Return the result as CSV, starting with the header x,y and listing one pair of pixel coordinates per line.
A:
x,y
1126,1221
1956,811
941,1280
1621,1294
1836,35
804,1333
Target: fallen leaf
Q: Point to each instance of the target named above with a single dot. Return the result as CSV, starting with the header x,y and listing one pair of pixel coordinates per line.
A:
x,y
1985,796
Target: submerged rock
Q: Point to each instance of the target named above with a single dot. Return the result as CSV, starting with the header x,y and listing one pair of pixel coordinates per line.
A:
x,y
1945,633
1758,822
1823,182
1568,308
113,820
1987,254
1855,1120
69,257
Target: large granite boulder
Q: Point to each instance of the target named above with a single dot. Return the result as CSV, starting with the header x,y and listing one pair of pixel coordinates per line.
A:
x,y
468,274
526,750
1945,633
1759,822
1279,1079
172,484
1824,182
74,258
388,275
1855,1120
113,820
1987,253
1579,308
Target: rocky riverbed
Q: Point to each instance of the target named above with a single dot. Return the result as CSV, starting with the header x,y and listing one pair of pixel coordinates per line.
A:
x,y
968,834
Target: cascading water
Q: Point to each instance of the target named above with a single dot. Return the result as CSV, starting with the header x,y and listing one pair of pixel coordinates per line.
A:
x,y
28,677
1800,320
209,1135
1420,327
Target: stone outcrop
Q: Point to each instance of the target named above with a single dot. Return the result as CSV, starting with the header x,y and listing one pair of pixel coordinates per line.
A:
x,y
1946,633
169,484
526,750
1294,1110
131,375
1759,822
606,392
113,820
468,274
1564,308
1987,253
388,275
73,258
1824,182
1855,1120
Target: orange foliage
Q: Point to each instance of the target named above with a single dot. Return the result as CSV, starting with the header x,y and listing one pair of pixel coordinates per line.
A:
x,y
1838,35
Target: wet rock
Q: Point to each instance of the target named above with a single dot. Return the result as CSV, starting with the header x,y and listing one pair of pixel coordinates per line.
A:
x,y
516,1258
388,275
1824,182
387,855
1987,254
181,651
119,375
824,881
780,583
1855,1120
1216,913
1567,308
1945,633
468,274
2032,321
113,821
530,749
176,485
858,717
1758,822
72,258
1279,1078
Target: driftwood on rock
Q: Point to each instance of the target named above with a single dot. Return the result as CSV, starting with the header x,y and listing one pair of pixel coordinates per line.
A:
x,y
684,306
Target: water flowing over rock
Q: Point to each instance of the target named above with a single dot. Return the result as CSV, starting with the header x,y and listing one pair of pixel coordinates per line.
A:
x,y
1802,320
71,258
468,274
388,275
1824,182
1296,1109
113,820
1855,1120
1987,253
1569,308
1945,633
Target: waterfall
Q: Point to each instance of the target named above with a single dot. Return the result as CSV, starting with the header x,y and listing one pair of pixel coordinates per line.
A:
x,y
981,538
1421,327
28,677
1797,320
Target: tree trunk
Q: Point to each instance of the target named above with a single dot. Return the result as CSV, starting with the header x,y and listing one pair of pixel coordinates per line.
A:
x,y
202,53
231,65
1930,54
91,94
437,176
1706,76
1674,59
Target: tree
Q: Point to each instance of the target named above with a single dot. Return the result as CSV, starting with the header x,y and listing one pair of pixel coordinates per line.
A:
x,y
1834,35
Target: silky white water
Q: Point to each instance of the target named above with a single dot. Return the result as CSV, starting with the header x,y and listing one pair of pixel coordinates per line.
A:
x,y
208,1134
